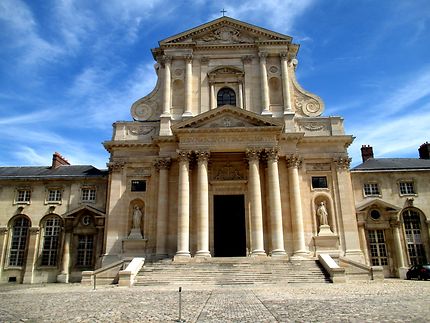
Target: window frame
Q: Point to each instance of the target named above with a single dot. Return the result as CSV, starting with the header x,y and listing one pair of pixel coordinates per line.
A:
x,y
225,88
59,190
405,183
372,191
53,253
88,199
20,251
27,196
138,180
319,177
86,253
378,250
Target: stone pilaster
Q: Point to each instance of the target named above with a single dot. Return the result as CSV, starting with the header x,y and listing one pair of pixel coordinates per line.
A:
x,y
347,209
265,102
285,82
277,232
293,163
395,225
363,239
188,86
183,250
167,83
3,244
203,204
254,187
65,264
241,93
213,102
32,251
247,67
163,166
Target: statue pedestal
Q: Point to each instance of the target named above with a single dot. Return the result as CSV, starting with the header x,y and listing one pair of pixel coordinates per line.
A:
x,y
135,235
326,242
134,247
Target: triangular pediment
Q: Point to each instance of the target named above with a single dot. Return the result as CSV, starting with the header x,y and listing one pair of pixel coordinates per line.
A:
x,y
227,117
225,30
84,208
376,202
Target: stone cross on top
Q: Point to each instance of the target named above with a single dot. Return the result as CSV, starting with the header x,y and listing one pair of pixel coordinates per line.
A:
x,y
223,12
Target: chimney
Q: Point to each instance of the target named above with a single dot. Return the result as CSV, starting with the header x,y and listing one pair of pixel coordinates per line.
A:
x,y
424,151
366,152
58,160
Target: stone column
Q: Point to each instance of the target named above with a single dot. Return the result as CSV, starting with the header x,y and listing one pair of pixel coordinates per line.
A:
x,y
285,82
264,84
163,166
254,187
398,244
347,214
241,93
183,206
3,244
32,251
65,264
294,163
363,238
203,205
188,86
167,92
247,67
213,102
277,231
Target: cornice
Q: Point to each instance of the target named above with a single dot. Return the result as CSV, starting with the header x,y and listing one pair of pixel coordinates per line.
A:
x,y
127,143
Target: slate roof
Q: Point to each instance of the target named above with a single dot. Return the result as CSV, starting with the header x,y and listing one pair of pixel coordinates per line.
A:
x,y
389,164
64,171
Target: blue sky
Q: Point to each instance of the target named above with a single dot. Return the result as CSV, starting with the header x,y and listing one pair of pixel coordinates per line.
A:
x,y
69,69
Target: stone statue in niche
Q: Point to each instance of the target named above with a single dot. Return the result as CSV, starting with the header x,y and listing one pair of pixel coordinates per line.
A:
x,y
322,214
136,223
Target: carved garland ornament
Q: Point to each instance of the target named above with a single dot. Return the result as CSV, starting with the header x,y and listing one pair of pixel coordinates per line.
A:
x,y
140,130
313,126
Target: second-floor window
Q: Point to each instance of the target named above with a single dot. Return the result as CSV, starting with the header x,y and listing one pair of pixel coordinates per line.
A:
x,y
88,194
54,195
319,182
371,189
406,188
23,195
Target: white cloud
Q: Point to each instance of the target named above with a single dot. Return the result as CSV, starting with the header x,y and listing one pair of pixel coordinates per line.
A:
x,y
29,156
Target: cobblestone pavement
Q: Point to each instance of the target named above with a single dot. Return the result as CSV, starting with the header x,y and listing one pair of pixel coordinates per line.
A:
x,y
391,301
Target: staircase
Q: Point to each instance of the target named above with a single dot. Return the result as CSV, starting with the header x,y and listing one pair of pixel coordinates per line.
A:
x,y
231,271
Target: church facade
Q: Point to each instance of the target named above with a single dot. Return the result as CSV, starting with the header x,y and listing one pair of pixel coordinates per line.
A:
x,y
234,153
228,156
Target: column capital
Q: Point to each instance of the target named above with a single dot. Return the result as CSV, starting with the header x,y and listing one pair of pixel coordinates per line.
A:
x,y
188,58
394,223
167,59
247,59
262,56
342,162
115,166
293,161
253,154
184,155
272,154
284,56
162,163
202,155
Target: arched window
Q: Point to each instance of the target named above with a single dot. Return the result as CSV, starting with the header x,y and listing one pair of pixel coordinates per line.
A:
x,y
51,241
19,241
226,96
412,224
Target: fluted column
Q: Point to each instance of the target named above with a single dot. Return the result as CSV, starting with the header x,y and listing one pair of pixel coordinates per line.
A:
x,y
264,84
285,82
183,205
166,93
163,166
241,93
212,94
257,243
277,232
188,86
398,244
293,163
203,204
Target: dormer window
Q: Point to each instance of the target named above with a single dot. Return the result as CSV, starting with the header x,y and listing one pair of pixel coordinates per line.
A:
x,y
226,96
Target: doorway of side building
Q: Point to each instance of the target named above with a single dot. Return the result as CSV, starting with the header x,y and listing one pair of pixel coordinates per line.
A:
x,y
229,226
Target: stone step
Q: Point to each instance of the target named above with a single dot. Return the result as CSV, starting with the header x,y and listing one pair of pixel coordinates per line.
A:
x,y
231,271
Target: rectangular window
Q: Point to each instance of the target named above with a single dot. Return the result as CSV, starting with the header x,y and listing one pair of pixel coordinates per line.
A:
x,y
371,189
23,196
54,195
406,188
138,186
85,250
88,195
378,249
319,182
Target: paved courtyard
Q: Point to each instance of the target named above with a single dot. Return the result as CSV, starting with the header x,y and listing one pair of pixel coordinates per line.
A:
x,y
391,301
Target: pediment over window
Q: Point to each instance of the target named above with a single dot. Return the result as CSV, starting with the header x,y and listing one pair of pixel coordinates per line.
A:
x,y
376,202
227,117
225,30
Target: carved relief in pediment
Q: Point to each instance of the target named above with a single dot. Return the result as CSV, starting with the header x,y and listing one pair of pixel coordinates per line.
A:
x,y
227,121
225,35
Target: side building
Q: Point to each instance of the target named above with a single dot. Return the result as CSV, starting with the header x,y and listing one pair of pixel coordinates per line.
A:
x,y
392,197
52,221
